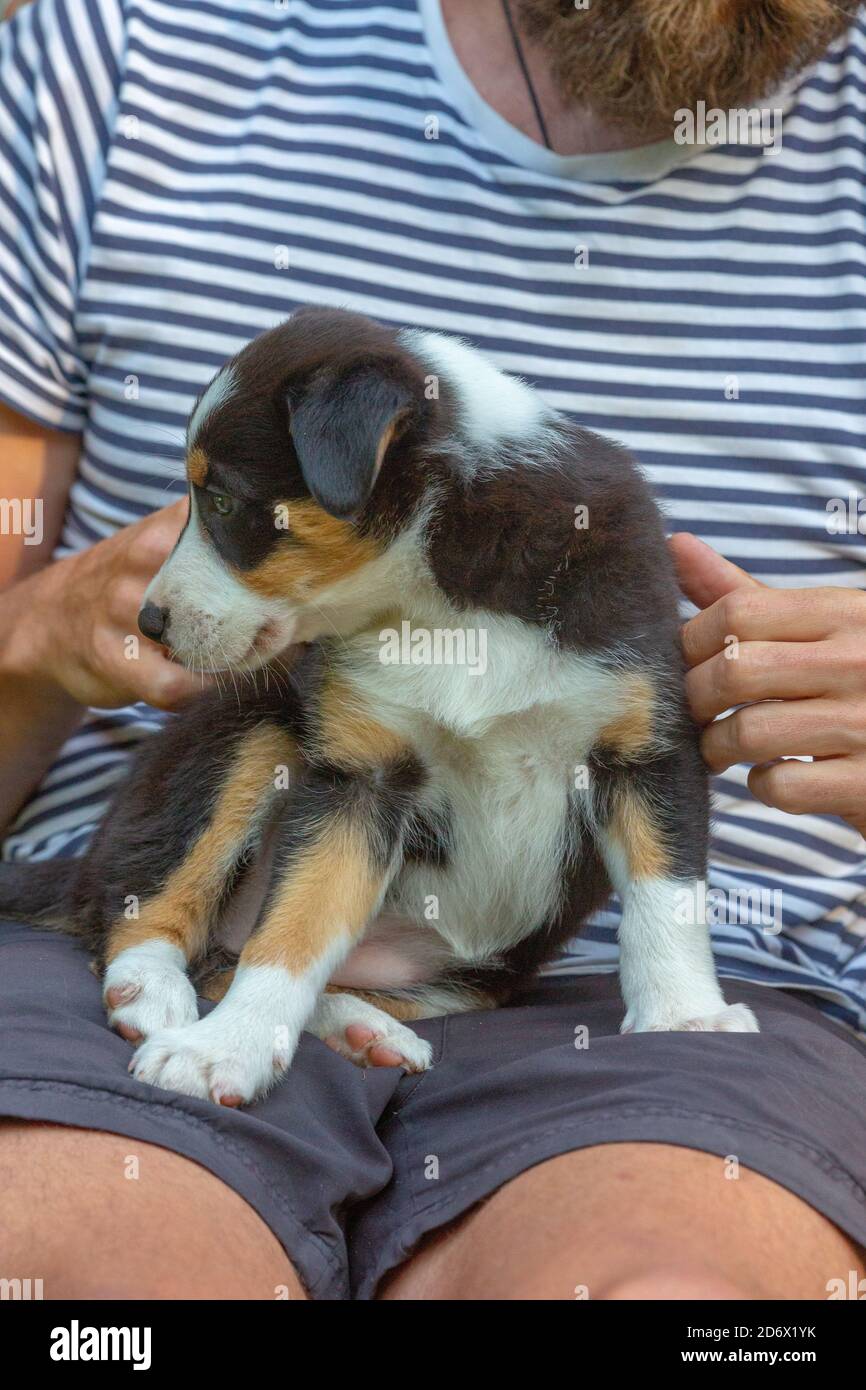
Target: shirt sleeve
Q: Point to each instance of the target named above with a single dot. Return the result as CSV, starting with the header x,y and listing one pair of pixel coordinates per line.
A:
x,y
60,71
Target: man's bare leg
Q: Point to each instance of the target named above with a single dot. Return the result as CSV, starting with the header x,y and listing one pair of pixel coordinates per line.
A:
x,y
644,1221
95,1215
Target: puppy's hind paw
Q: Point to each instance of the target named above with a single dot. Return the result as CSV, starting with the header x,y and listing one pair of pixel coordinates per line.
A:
x,y
368,1036
396,1047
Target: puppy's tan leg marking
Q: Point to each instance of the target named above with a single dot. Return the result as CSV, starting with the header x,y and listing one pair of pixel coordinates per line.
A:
x,y
145,983
631,733
329,893
348,734
181,911
216,986
334,884
319,906
639,837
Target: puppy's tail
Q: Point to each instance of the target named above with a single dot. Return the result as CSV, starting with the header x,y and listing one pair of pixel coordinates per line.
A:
x,y
40,894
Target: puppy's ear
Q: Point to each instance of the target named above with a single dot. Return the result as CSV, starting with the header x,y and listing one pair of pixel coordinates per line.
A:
x,y
341,428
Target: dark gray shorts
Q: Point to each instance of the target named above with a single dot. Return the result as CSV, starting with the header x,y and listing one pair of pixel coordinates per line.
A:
x,y
351,1168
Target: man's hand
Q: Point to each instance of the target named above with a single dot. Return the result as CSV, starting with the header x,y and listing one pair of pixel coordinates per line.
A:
x,y
74,624
795,659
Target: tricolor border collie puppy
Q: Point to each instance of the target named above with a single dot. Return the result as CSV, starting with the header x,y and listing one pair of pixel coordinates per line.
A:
x,y
435,830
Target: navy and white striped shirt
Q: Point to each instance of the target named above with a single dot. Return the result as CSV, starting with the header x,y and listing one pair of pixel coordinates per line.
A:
x,y
177,175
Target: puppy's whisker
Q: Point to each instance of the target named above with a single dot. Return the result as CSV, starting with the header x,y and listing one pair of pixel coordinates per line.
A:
x,y
249,674
215,673
280,684
277,661
197,659
231,673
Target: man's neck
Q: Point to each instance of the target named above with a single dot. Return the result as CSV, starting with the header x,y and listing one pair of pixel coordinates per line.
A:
x,y
482,42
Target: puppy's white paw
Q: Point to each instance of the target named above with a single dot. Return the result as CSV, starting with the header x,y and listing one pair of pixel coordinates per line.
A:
x,y
146,988
368,1036
396,1046
730,1018
203,1060
238,1051
733,1018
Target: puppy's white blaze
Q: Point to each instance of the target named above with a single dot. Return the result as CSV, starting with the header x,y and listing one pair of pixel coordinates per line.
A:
x,y
195,572
220,390
493,406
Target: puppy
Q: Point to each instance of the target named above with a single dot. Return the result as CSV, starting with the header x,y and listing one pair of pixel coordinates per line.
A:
x,y
484,733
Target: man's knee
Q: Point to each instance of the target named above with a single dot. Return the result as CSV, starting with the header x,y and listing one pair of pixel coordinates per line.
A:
x,y
671,1282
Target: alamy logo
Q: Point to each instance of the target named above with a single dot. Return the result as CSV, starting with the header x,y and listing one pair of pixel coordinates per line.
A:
x,y
745,905
742,125
77,1343
438,646
21,1290
22,516
853,1287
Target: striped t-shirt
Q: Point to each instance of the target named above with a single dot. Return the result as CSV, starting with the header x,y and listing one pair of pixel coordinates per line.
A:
x,y
178,175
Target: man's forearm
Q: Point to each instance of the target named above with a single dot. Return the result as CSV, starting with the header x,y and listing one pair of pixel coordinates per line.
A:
x,y
37,714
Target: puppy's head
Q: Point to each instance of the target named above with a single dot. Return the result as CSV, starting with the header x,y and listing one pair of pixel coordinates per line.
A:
x,y
287,527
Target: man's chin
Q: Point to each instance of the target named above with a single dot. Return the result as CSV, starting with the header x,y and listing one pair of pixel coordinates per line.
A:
x,y
634,64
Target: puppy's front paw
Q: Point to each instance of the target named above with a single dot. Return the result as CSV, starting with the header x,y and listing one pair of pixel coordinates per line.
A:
x,y
201,1061
730,1018
146,989
733,1018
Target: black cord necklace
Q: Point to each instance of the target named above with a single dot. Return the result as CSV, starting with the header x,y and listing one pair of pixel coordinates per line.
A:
x,y
518,49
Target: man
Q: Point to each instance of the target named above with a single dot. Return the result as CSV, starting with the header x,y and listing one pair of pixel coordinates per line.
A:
x,y
175,179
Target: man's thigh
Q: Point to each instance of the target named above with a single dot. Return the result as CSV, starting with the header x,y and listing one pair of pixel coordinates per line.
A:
x,y
98,1215
632,1221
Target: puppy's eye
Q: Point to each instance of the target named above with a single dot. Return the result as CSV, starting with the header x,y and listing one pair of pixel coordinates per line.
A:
x,y
221,503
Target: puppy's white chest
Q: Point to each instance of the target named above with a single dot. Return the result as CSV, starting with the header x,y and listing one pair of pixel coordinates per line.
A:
x,y
505,800
505,750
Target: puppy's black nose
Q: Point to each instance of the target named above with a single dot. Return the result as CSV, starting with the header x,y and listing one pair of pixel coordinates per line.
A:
x,y
152,621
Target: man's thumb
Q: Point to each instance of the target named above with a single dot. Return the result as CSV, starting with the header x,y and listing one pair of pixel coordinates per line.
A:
x,y
704,574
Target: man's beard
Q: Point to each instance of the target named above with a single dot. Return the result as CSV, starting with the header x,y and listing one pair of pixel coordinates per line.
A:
x,y
634,63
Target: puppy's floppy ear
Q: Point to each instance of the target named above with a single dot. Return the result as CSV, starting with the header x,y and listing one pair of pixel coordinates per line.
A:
x,y
341,428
